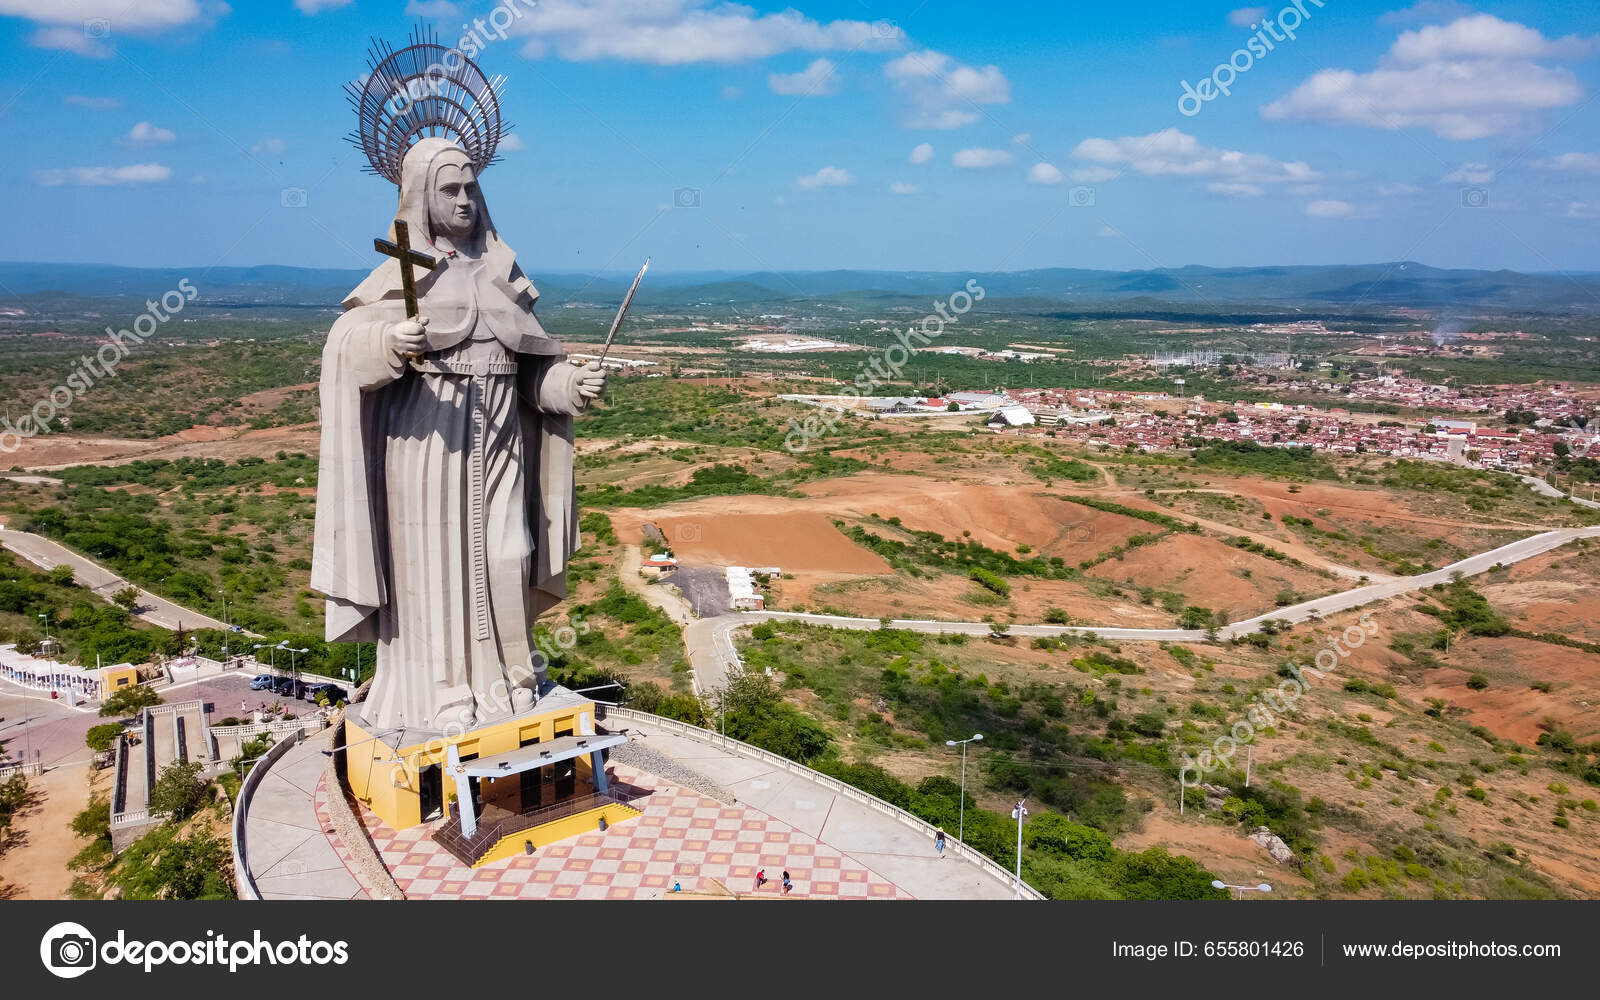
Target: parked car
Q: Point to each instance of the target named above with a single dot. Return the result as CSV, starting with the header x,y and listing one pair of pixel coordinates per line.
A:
x,y
261,682
286,687
334,693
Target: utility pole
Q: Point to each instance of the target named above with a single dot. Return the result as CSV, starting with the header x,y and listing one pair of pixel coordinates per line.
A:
x,y
1018,813
1249,751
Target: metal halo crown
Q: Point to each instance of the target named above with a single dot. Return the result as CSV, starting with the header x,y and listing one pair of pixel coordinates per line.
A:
x,y
424,89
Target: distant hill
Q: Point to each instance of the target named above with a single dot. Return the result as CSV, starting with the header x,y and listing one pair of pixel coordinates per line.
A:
x,y
1401,283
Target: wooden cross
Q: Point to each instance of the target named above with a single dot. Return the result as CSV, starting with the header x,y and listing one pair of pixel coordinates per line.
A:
x,y
401,251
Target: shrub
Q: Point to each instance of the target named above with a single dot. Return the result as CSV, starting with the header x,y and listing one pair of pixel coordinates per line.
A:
x,y
103,736
1477,682
179,790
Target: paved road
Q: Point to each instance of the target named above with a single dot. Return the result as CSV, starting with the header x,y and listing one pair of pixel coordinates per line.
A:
x,y
46,554
712,651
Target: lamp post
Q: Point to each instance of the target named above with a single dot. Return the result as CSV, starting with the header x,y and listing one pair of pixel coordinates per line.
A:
x,y
48,642
272,653
1017,814
1240,889
292,651
961,830
226,630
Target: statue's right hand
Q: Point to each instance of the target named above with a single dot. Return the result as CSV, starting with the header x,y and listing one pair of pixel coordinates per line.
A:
x,y
406,338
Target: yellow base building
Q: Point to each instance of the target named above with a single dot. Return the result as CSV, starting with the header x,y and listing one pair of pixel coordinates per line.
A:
x,y
504,788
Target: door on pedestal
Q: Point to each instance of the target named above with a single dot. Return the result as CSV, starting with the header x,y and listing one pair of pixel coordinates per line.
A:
x,y
430,790
532,783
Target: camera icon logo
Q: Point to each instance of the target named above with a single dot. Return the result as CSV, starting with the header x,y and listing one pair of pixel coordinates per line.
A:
x,y
292,197
1081,197
1474,197
885,29
687,532
686,198
97,27
68,950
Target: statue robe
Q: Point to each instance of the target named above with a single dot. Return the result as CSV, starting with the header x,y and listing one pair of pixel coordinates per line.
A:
x,y
446,509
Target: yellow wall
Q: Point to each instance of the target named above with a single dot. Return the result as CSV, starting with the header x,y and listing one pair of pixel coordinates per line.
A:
x,y
386,778
112,681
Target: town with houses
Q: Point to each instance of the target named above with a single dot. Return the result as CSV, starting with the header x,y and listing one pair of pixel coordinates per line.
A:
x,y
1511,428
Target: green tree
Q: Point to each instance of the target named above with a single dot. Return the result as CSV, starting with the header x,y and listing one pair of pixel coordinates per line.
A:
x,y
103,736
127,599
179,791
129,701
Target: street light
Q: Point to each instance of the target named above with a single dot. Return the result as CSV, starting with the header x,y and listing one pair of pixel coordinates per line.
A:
x,y
1017,814
48,642
1240,889
272,652
961,831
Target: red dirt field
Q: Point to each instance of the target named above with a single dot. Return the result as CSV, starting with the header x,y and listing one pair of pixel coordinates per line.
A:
x,y
801,542
1207,572
1511,709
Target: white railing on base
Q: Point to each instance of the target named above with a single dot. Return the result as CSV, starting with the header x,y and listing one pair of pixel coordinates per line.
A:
x,y
305,723
177,706
834,784
33,770
133,817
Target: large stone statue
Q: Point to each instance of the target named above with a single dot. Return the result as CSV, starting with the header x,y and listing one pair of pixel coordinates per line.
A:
x,y
445,503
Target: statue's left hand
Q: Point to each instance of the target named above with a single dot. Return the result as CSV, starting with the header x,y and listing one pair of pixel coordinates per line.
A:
x,y
591,381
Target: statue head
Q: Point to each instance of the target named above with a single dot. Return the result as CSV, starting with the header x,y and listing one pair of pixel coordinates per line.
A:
x,y
439,190
453,196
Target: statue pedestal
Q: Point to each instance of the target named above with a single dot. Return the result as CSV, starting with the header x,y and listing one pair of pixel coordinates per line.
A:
x,y
536,759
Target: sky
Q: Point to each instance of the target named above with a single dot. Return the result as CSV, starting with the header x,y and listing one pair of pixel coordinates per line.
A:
x,y
910,135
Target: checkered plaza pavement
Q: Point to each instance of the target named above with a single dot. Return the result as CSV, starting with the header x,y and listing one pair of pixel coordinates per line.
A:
x,y
682,837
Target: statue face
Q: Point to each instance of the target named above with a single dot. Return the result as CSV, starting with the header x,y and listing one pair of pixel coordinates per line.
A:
x,y
452,204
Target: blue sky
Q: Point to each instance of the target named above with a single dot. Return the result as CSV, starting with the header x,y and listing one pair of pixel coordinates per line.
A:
x,y
165,132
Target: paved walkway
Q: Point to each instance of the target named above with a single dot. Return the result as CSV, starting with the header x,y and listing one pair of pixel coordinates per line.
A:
x,y
832,847
285,846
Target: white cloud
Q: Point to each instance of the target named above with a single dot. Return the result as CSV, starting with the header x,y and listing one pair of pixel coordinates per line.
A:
x,y
826,177
817,80
318,6
73,40
146,132
93,103
1045,173
138,173
511,142
975,158
1329,209
269,146
1427,12
1472,78
1245,17
680,32
1582,210
900,187
1171,153
1095,175
1022,138
442,10
1574,163
1235,189
86,27
922,153
942,93
1398,190
1469,173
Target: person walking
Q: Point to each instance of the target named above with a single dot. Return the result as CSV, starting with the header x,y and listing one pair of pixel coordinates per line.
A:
x,y
761,878
938,843
788,884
